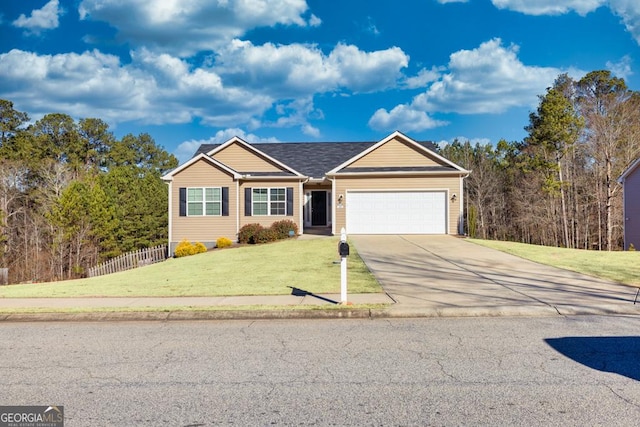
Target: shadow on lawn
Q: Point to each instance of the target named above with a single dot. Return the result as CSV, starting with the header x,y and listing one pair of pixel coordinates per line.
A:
x,y
302,293
619,355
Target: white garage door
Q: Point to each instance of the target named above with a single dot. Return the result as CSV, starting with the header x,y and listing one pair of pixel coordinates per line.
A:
x,y
404,212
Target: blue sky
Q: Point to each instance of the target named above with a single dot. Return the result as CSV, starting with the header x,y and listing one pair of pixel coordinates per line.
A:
x,y
201,71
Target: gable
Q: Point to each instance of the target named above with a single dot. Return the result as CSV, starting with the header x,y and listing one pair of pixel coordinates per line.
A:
x,y
202,173
395,153
244,160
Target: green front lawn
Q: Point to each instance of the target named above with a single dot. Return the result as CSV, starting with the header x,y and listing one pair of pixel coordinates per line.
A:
x,y
269,269
618,266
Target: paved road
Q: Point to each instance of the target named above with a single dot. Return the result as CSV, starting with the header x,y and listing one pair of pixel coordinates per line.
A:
x,y
447,272
553,371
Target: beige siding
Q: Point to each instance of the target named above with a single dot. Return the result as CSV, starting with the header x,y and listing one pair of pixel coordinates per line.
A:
x,y
448,183
203,229
267,220
241,159
395,153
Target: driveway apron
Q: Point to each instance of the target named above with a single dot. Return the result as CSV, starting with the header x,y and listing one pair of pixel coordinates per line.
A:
x,y
444,271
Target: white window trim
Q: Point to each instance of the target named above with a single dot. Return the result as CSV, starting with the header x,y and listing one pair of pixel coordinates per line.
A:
x,y
269,201
204,202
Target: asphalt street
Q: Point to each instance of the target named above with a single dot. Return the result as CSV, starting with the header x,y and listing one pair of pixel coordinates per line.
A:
x,y
569,371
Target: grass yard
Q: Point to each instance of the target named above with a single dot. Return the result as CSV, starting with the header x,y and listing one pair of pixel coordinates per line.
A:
x,y
618,266
248,270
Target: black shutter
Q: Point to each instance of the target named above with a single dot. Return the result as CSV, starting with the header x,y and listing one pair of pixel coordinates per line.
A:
x,y
289,201
183,201
247,202
225,201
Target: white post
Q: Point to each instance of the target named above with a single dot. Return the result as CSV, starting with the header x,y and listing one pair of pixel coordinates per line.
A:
x,y
343,270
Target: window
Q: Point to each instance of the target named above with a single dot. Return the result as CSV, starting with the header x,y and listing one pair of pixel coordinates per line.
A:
x,y
204,201
269,201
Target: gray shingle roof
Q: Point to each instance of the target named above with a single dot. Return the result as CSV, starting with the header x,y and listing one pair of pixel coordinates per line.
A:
x,y
313,159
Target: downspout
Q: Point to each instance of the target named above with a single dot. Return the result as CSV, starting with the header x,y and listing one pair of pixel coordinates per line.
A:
x,y
237,207
333,206
301,205
170,217
462,201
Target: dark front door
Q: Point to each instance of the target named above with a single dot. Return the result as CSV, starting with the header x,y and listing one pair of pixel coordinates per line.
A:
x,y
318,208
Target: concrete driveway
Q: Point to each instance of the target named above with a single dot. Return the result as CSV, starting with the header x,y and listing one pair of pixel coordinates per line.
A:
x,y
448,275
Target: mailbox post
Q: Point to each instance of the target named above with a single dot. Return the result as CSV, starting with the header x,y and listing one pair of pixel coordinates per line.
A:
x,y
343,251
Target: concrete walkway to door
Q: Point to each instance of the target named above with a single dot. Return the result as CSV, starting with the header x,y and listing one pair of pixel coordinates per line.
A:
x,y
449,276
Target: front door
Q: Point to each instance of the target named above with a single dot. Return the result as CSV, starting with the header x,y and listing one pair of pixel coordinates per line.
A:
x,y
318,208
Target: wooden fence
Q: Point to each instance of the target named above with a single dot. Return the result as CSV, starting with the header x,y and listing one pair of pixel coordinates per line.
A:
x,y
130,260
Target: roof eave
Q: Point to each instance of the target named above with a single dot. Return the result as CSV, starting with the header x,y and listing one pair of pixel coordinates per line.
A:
x,y
272,178
629,171
462,173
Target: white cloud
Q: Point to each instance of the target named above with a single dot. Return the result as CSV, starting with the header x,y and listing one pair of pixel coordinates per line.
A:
x,y
296,114
549,7
241,87
403,117
40,19
488,79
367,71
187,149
152,89
314,21
629,11
182,27
451,1
299,70
621,68
423,78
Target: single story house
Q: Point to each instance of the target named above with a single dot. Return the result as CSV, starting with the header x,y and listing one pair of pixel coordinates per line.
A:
x,y
392,186
630,181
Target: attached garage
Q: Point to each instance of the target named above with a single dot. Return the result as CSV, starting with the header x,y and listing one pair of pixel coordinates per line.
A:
x,y
396,212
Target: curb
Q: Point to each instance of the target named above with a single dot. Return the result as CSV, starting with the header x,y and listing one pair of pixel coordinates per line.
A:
x,y
187,315
393,312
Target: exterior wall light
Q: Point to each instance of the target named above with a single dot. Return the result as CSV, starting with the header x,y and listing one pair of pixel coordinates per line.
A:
x,y
453,198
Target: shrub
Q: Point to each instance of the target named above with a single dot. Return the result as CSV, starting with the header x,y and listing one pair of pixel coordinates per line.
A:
x,y
223,242
184,248
265,235
248,232
199,248
282,228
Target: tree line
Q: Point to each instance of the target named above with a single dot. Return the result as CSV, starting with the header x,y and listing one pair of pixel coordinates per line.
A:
x,y
73,195
558,186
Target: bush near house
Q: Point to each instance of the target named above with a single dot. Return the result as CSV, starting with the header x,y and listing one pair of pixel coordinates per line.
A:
x,y
248,232
255,233
223,242
186,248
282,228
265,235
